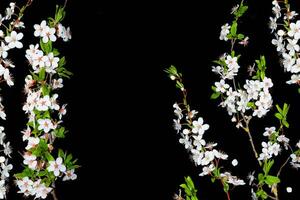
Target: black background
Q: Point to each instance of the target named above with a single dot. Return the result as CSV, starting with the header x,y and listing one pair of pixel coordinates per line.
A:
x,y
120,100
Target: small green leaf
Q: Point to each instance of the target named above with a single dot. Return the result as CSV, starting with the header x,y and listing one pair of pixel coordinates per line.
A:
x,y
215,95
285,123
48,156
279,116
42,74
241,36
279,109
233,28
270,180
225,187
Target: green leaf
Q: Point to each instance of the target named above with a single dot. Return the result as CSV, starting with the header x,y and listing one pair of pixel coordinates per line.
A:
x,y
42,74
233,28
270,180
188,181
279,109
260,178
215,95
267,166
46,47
61,153
285,123
48,156
241,36
45,90
60,133
70,156
225,186
279,116
299,90
55,52
251,105
286,108
262,194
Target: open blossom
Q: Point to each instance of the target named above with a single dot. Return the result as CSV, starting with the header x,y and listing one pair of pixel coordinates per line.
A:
x,y
30,160
32,143
295,30
199,127
13,40
221,86
224,32
45,124
70,175
56,166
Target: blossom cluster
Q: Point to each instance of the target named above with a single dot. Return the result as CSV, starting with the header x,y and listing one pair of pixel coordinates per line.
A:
x,y
276,142
255,94
203,153
286,30
10,38
191,130
43,164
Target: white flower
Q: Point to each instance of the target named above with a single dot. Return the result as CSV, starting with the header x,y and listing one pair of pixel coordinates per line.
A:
x,y
43,103
2,189
3,50
30,160
199,127
186,142
197,156
13,40
51,63
224,32
279,44
234,162
40,29
25,186
207,170
221,86
298,144
7,149
45,125
296,68
273,24
56,166
208,157
70,175
48,34
177,126
295,30
57,83
288,61
26,133
178,111
269,131
5,170
62,111
220,155
292,46
32,143
295,78
41,190
276,10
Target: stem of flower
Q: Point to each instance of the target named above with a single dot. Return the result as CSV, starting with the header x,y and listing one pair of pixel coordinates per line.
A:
x,y
247,130
54,195
227,193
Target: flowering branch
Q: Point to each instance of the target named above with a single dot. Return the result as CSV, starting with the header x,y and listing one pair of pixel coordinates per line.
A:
x,y
43,163
192,131
10,23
